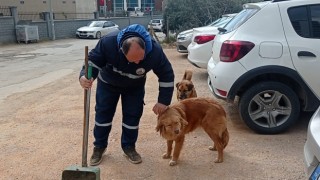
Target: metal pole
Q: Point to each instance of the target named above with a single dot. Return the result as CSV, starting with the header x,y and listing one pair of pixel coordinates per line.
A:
x,y
51,21
114,8
105,8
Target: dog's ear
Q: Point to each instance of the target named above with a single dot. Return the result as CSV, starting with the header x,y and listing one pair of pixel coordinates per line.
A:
x,y
187,75
183,122
159,126
177,85
190,87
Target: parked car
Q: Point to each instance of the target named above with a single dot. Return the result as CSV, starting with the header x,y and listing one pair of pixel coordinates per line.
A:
x,y
134,11
96,29
312,148
184,37
199,50
268,57
157,24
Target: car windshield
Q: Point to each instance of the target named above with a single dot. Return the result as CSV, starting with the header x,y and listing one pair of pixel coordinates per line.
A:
x,y
239,19
96,24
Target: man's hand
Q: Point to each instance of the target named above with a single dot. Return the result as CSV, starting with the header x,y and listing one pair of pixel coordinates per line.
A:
x,y
159,108
85,83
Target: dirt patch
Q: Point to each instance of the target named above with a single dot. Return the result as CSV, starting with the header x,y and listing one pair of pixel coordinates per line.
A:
x,y
41,135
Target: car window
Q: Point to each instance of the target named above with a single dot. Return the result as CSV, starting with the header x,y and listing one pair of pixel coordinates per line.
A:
x,y
108,24
223,21
239,19
156,21
306,20
96,24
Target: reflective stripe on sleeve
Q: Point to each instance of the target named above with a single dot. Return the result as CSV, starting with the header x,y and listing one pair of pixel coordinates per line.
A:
x,y
93,65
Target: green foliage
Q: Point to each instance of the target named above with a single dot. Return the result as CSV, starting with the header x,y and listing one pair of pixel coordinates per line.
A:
x,y
181,15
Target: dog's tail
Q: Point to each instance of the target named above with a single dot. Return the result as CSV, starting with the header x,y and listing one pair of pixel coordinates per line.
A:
x,y
225,138
187,75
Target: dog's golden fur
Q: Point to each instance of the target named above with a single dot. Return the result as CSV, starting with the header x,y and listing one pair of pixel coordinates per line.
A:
x,y
185,88
185,116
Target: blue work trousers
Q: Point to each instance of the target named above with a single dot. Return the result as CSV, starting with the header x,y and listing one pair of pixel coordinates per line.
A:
x,y
107,97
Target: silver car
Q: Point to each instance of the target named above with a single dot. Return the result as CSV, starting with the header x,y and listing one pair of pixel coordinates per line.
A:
x,y
184,38
312,148
96,29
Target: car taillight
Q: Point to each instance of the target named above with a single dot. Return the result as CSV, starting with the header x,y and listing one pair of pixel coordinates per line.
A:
x,y
203,39
234,50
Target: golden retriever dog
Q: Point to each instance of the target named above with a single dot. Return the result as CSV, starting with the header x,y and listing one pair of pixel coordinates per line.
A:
x,y
185,116
185,88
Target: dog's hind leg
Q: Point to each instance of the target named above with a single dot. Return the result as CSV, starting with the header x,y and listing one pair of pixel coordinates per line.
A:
x,y
167,155
218,144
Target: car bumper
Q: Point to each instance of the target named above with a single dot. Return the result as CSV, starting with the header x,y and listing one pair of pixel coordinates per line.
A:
x,y
182,46
199,54
312,147
222,76
85,35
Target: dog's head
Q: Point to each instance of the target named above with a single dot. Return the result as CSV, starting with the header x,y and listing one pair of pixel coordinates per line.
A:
x,y
185,89
171,123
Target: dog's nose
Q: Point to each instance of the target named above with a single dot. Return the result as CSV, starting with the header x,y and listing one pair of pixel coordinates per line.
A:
x,y
176,131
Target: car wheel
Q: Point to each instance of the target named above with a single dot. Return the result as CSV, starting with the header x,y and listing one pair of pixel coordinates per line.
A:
x,y
98,35
269,107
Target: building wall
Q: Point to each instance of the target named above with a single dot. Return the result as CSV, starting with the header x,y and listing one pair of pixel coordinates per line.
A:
x,y
7,30
63,28
68,6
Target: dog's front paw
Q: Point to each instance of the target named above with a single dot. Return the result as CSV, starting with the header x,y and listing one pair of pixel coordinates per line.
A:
x,y
212,148
166,156
172,163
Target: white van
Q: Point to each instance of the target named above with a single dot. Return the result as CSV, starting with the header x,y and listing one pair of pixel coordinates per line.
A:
x,y
134,11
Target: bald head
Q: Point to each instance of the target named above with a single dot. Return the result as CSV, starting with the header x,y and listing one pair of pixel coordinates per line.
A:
x,y
134,49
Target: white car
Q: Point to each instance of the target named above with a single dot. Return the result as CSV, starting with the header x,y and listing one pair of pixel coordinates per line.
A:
x,y
97,29
184,37
199,50
157,24
268,57
312,148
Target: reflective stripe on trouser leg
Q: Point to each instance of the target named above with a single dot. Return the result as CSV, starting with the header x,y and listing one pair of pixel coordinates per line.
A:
x,y
132,108
107,98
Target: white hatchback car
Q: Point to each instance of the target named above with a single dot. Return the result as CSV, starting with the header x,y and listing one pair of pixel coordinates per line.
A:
x,y
199,50
96,29
157,25
268,56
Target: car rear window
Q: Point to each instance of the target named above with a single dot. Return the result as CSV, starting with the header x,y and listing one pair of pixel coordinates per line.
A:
x,y
239,19
155,21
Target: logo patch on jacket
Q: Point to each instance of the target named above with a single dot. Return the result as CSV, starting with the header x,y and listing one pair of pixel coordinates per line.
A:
x,y
140,71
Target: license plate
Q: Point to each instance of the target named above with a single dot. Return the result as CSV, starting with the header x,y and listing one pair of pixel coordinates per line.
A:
x,y
316,174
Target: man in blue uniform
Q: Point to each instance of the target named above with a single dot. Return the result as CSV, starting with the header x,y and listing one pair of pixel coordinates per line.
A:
x,y
120,62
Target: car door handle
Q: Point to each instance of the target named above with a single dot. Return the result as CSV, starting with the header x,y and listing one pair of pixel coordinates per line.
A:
x,y
306,53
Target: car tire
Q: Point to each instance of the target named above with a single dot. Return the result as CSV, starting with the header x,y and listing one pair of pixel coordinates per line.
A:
x,y
269,107
98,35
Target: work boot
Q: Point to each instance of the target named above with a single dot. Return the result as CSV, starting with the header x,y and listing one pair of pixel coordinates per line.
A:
x,y
96,157
132,155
